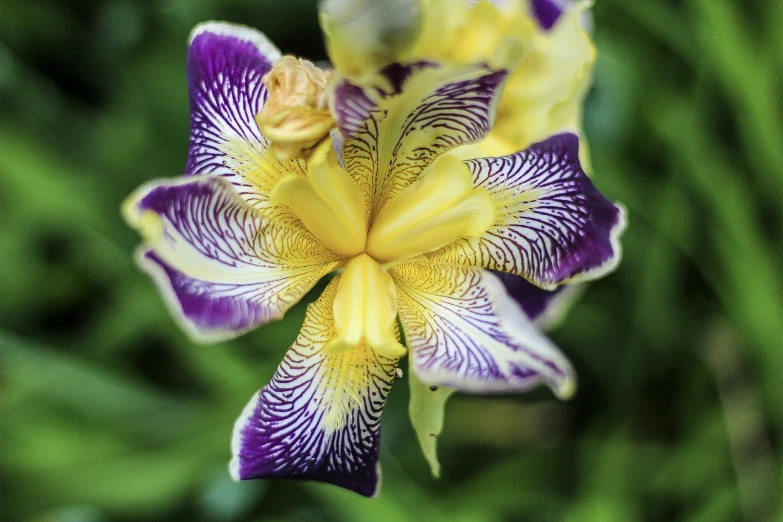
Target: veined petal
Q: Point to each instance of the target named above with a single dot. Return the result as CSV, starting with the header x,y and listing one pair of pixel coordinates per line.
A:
x,y
226,63
546,308
400,120
319,418
222,267
552,225
464,332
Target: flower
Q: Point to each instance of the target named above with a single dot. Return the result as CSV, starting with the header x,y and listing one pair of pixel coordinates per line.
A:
x,y
412,230
543,95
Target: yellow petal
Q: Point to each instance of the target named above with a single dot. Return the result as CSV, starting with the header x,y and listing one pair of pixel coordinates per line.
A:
x,y
365,309
327,201
546,93
438,209
461,32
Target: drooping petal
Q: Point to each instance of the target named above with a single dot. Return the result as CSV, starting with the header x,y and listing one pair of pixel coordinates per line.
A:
x,y
222,267
319,417
225,64
552,225
465,332
546,308
407,115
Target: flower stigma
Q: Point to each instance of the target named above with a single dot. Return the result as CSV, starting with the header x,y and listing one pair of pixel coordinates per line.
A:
x,y
327,201
439,208
365,309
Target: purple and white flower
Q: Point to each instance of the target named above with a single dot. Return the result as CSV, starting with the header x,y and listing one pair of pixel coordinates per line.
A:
x,y
414,233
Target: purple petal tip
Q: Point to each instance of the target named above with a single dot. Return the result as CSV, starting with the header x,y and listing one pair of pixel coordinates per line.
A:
x,y
546,12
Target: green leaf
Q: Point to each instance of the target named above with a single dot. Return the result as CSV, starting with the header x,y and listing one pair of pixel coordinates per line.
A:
x,y
426,410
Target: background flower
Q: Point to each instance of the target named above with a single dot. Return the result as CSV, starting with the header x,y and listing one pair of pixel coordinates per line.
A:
x,y
113,415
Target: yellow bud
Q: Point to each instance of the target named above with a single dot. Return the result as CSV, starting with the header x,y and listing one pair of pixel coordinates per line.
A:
x,y
295,117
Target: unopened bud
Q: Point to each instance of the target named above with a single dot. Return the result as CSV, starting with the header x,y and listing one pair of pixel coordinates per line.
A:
x,y
295,117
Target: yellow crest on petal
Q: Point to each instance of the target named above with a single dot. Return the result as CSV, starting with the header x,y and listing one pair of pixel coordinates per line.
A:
x,y
441,207
365,309
327,201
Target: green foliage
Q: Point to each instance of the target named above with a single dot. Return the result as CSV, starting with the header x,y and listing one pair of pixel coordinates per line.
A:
x,y
110,413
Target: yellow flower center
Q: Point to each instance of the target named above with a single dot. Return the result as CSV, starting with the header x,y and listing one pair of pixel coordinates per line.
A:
x,y
327,201
441,207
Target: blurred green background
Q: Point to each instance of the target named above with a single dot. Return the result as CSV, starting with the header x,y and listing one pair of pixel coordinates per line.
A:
x,y
110,414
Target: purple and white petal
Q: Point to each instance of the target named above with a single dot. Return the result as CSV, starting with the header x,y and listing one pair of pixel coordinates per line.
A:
x,y
465,332
222,267
552,225
546,308
398,123
546,12
225,65
319,417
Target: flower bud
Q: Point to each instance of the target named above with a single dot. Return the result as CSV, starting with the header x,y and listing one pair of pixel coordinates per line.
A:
x,y
295,117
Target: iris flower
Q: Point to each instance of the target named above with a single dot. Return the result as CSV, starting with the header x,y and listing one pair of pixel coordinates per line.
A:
x,y
408,231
